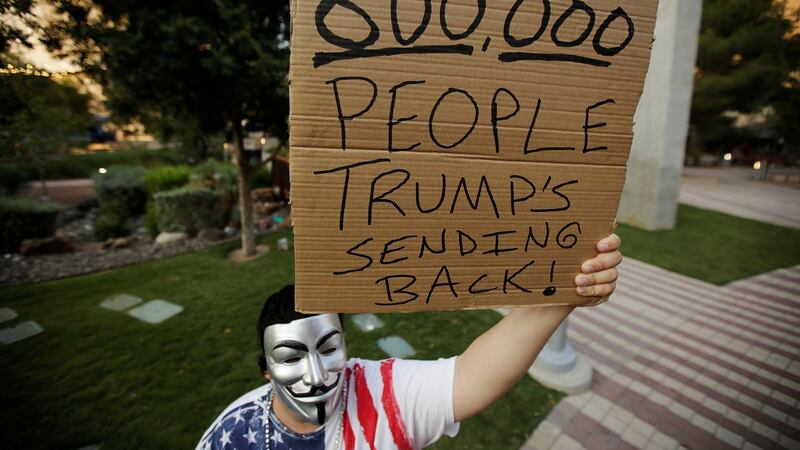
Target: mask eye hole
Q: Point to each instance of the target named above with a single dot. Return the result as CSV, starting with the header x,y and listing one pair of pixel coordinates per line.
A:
x,y
292,360
329,351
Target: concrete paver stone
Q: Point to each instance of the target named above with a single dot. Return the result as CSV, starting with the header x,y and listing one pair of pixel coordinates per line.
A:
x,y
7,314
396,347
120,302
21,331
367,322
155,311
717,374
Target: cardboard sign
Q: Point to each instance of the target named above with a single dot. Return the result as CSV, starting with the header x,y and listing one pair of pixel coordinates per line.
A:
x,y
455,154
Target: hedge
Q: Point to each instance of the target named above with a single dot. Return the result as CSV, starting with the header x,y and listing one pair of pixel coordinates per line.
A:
x,y
84,166
164,178
122,184
189,210
11,178
22,219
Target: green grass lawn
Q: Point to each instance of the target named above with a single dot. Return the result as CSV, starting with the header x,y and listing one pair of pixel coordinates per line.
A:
x,y
96,376
714,247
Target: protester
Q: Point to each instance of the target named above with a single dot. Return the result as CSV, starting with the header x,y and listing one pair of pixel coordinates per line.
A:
x,y
318,399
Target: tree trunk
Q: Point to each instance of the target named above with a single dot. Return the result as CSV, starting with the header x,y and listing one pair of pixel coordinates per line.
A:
x,y
245,200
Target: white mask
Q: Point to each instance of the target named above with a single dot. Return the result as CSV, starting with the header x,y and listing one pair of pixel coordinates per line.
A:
x,y
306,359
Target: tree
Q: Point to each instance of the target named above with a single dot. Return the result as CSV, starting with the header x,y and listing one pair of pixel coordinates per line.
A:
x,y
747,54
40,116
17,30
222,62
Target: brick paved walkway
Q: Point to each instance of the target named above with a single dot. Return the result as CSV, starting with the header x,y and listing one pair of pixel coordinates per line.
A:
x,y
680,363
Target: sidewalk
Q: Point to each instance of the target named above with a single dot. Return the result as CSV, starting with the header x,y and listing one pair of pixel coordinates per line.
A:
x,y
66,192
732,191
681,363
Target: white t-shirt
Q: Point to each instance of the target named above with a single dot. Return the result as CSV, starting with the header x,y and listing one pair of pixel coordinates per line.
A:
x,y
391,404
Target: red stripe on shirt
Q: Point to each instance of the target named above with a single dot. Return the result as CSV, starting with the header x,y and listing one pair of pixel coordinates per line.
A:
x,y
392,409
349,437
367,414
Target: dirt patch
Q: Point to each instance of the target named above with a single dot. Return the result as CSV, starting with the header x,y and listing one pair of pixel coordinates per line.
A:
x,y
237,256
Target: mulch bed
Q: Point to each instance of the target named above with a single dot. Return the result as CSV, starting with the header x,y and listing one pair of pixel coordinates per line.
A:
x,y
17,269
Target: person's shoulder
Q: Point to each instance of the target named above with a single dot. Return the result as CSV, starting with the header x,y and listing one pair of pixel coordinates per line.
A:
x,y
396,362
260,393
240,417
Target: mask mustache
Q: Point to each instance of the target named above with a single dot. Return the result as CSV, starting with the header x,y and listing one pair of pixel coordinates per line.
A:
x,y
316,390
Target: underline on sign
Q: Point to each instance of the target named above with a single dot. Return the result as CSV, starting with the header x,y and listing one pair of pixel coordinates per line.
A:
x,y
323,58
525,56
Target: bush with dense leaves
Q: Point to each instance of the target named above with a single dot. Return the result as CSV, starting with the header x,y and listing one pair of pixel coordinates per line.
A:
x,y
84,166
151,219
22,219
189,210
10,179
221,177
164,178
262,178
217,175
112,220
122,185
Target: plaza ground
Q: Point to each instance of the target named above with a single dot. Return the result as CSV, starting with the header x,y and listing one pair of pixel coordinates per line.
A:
x,y
684,363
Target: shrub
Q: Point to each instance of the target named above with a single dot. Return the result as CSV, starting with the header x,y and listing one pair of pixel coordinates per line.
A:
x,y
84,166
261,179
164,178
10,179
112,220
189,210
216,175
220,176
151,219
121,185
22,219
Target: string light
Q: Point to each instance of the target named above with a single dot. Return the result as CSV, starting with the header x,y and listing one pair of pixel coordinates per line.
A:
x,y
28,69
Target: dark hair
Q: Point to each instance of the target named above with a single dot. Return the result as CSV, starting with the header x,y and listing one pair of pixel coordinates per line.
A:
x,y
278,308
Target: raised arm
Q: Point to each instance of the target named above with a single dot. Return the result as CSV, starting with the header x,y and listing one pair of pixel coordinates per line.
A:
x,y
498,358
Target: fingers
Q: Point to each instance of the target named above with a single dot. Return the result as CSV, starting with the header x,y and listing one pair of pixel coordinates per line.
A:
x,y
597,290
609,243
603,277
602,261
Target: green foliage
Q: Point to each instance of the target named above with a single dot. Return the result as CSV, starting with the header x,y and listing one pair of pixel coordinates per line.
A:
x,y
145,377
151,219
224,63
112,219
216,175
19,30
748,50
164,178
262,178
22,219
84,166
714,247
189,137
10,179
123,185
189,210
40,116
172,56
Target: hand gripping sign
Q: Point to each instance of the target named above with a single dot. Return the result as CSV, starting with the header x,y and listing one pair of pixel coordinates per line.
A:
x,y
457,154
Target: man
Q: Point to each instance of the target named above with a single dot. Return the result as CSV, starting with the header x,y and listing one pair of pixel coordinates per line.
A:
x,y
318,399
